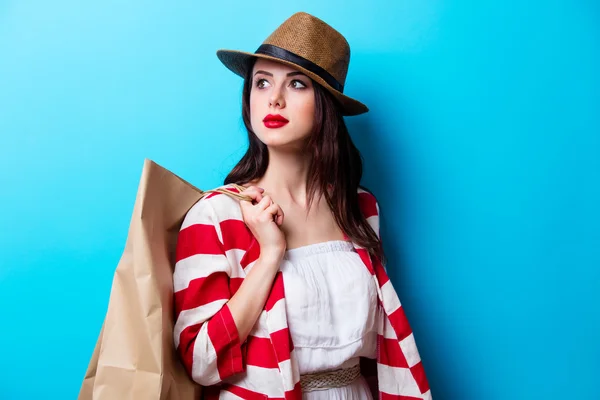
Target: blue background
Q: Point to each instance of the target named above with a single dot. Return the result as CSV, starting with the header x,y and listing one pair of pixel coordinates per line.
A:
x,y
482,145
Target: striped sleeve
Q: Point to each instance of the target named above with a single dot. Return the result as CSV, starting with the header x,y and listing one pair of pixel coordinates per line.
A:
x,y
205,334
370,208
401,374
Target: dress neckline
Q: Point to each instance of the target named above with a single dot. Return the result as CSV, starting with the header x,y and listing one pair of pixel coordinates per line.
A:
x,y
319,248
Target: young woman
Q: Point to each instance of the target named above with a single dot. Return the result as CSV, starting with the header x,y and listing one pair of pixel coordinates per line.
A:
x,y
284,294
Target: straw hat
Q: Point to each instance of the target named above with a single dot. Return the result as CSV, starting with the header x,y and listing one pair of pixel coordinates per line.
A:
x,y
309,45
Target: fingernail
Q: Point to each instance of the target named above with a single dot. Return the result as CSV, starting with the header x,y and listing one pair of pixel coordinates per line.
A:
x,y
261,189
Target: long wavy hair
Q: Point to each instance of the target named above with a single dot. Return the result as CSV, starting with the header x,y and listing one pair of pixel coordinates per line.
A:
x,y
335,167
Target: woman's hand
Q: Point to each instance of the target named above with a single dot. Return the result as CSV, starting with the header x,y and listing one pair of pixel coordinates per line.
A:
x,y
264,217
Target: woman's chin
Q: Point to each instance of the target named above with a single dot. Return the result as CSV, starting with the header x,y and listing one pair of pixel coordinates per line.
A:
x,y
277,139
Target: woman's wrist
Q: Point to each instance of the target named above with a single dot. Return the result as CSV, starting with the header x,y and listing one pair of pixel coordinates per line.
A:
x,y
271,256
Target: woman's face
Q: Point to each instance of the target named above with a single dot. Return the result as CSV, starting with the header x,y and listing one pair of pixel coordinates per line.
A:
x,y
278,89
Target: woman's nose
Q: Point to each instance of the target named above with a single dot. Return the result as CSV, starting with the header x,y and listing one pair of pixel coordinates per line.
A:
x,y
276,99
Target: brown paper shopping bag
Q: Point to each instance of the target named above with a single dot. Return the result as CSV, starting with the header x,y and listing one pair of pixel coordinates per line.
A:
x,y
134,357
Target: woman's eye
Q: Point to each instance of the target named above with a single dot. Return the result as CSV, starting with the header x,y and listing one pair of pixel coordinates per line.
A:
x,y
260,83
296,84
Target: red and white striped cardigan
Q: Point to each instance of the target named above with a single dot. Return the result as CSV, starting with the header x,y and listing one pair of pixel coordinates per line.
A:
x,y
215,251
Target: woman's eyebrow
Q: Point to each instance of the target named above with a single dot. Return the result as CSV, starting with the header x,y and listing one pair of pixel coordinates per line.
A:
x,y
260,71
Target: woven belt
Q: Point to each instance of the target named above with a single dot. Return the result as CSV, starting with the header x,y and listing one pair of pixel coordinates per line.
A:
x,y
329,379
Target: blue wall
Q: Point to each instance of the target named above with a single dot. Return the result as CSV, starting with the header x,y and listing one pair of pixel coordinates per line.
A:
x,y
482,145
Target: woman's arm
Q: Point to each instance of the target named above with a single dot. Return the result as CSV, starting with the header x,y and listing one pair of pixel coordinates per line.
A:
x,y
248,302
263,219
210,324
205,333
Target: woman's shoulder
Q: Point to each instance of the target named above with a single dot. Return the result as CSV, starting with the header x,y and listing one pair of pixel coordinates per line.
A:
x,y
223,193
368,202
216,206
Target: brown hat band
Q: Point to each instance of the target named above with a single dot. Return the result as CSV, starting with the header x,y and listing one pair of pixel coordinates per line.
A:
x,y
278,52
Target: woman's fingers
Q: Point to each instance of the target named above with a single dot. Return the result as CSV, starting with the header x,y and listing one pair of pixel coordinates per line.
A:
x,y
276,213
264,203
264,209
254,192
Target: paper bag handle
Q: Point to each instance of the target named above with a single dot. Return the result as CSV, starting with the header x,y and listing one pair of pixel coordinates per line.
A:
x,y
229,192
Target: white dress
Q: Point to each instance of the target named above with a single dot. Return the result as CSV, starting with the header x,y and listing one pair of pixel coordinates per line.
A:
x,y
331,305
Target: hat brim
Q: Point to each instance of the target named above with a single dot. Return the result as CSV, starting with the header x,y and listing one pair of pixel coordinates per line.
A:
x,y
238,62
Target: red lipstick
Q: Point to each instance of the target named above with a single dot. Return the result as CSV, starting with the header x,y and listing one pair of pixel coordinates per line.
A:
x,y
274,121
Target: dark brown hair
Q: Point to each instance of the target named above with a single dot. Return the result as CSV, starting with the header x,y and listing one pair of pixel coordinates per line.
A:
x,y
335,161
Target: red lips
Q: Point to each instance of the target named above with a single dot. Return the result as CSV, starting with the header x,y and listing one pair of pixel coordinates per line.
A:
x,y
274,121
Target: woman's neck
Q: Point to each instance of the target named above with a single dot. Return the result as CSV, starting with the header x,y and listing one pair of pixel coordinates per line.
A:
x,y
286,176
